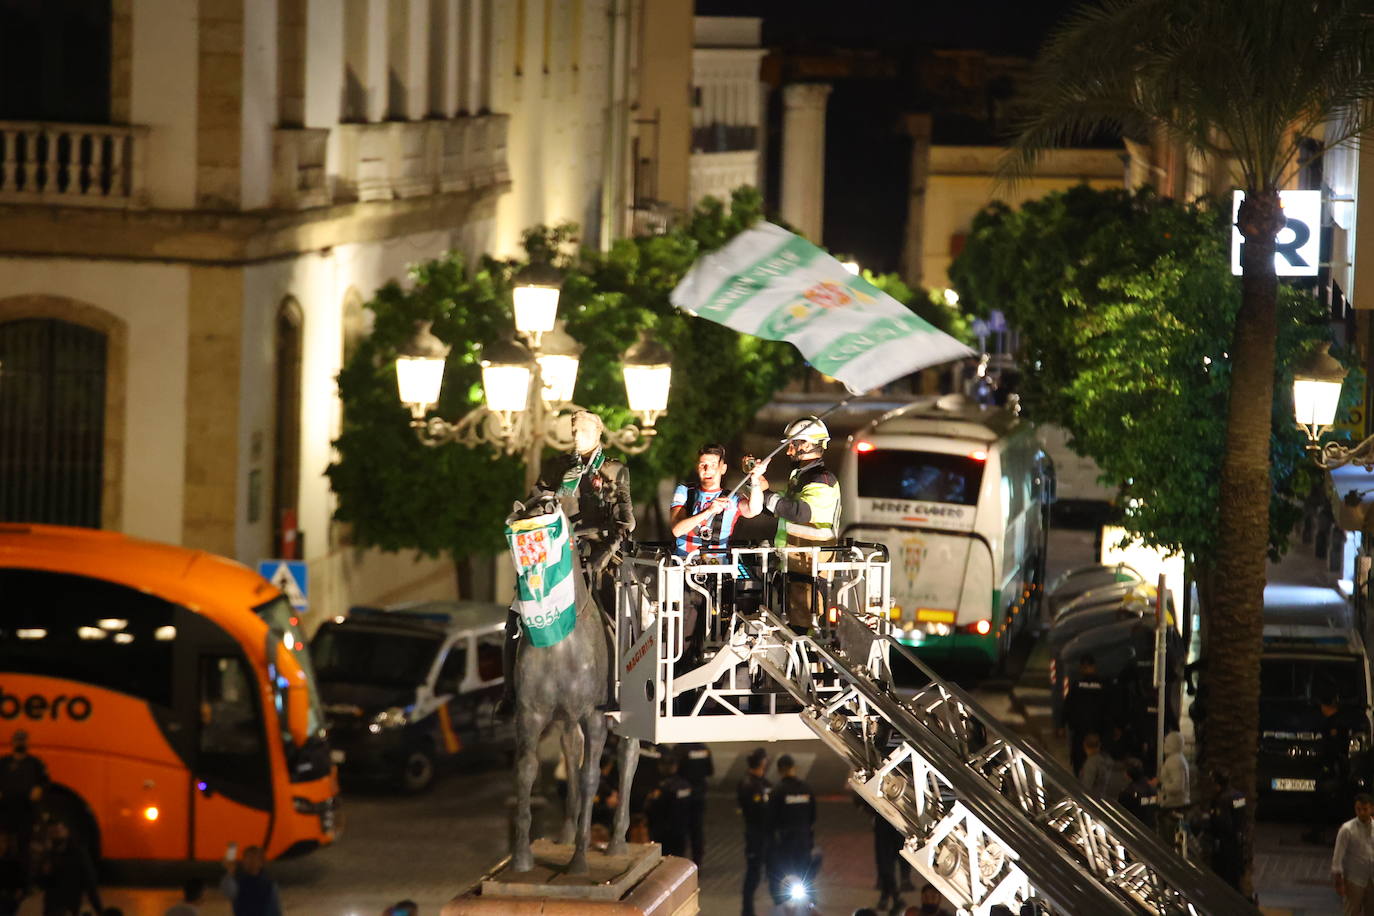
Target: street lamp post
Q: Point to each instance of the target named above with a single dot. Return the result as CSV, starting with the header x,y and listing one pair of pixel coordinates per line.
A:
x,y
1316,393
528,389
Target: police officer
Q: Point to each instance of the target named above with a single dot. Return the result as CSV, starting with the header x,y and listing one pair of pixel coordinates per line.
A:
x,y
1228,821
1333,756
1140,796
753,795
669,807
808,512
23,777
792,812
696,766
594,492
1085,708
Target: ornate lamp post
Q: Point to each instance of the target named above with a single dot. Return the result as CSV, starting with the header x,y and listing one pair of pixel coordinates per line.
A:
x,y
528,389
1316,392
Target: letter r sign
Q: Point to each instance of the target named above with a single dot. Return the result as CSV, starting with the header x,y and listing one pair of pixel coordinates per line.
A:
x,y
1298,249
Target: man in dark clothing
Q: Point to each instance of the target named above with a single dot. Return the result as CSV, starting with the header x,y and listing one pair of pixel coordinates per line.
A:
x,y
248,888
67,875
669,807
792,813
1140,797
14,879
1085,708
23,777
753,795
696,766
887,851
1227,821
1333,783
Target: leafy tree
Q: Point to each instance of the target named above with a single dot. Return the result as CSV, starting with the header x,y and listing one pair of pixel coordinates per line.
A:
x,y
397,494
1246,81
1127,304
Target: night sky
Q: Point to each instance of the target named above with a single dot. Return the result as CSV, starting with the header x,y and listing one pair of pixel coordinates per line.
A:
x,y
1012,26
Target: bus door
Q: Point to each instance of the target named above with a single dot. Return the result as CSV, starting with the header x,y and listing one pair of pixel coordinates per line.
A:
x,y
231,778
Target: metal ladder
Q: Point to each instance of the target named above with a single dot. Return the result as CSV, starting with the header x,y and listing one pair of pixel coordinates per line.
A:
x,y
986,818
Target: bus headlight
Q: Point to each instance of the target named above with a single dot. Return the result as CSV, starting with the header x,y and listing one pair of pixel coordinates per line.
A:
x,y
394,717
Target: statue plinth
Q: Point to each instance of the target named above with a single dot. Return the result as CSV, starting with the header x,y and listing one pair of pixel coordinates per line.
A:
x,y
642,882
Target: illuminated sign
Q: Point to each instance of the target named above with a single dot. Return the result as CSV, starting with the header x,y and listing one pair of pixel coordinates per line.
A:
x,y
1297,250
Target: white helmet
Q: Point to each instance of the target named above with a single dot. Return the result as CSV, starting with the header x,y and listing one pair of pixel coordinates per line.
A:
x,y
809,430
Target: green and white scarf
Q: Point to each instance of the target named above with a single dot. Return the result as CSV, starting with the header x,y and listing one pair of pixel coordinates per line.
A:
x,y
545,594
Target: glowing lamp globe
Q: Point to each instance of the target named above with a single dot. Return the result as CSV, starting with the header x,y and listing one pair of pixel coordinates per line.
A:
x,y
420,370
506,371
537,288
648,371
1317,391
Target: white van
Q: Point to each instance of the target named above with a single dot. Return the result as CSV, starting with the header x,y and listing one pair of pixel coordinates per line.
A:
x,y
960,496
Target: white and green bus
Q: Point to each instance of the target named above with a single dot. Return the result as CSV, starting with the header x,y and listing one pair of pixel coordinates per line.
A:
x,y
960,495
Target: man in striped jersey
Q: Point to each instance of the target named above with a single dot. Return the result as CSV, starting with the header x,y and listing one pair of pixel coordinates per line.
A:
x,y
702,518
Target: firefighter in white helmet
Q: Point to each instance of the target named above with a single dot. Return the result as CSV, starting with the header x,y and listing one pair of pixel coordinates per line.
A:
x,y
808,513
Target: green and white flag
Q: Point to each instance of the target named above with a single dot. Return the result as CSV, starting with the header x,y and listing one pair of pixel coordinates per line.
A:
x,y
545,592
773,284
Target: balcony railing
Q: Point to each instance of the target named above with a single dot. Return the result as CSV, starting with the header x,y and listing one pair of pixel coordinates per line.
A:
x,y
397,159
724,138
81,165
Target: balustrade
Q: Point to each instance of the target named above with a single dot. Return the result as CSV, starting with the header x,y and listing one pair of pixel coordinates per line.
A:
x,y
83,165
398,159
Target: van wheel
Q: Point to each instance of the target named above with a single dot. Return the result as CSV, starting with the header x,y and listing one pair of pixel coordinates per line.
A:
x,y
417,774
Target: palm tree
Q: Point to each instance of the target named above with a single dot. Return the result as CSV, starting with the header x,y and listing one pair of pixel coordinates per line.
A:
x,y
1245,81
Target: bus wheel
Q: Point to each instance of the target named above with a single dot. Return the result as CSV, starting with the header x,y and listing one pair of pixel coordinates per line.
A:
x,y
417,774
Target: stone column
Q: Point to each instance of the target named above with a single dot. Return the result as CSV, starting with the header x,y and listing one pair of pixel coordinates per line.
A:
x,y
803,157
913,244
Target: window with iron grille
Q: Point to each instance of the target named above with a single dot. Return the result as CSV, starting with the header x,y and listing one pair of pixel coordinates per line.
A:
x,y
52,422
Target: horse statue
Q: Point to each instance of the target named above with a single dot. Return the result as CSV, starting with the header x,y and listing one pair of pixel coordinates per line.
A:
x,y
561,671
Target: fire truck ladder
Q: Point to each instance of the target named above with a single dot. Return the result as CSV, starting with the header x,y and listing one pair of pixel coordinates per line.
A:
x,y
985,817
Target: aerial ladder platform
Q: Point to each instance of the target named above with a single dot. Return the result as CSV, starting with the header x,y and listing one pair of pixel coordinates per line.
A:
x,y
985,816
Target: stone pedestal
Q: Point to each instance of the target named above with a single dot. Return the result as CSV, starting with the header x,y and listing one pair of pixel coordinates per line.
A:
x,y
643,882
803,157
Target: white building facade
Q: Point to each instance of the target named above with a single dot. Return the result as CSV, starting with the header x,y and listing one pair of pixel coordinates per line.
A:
x,y
727,106
187,239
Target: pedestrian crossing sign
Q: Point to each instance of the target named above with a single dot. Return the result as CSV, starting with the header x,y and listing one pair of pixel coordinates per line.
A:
x,y
289,576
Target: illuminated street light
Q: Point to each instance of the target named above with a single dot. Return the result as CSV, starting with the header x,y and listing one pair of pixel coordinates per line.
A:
x,y
951,297
1316,393
528,391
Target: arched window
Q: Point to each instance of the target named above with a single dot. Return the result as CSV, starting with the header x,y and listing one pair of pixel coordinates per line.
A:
x,y
52,422
286,451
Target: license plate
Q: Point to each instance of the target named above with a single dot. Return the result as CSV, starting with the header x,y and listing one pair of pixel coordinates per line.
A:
x,y
934,615
337,756
1294,785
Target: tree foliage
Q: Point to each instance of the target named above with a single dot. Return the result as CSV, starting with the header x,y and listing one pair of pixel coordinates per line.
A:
x,y
1126,306
398,494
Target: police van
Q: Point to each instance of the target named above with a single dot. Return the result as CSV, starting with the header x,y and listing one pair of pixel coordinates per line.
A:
x,y
1299,667
960,496
407,687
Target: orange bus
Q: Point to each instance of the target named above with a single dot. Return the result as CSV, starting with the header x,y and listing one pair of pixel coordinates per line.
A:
x,y
169,692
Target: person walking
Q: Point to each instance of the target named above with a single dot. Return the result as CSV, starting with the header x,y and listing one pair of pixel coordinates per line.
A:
x,y
67,874
753,796
792,812
1140,796
668,807
23,779
1227,821
1096,772
248,887
887,851
191,893
696,766
1085,708
1352,862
